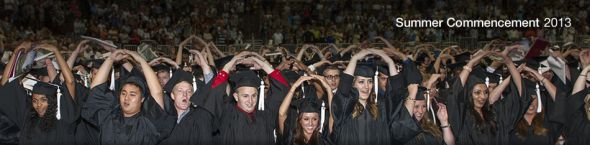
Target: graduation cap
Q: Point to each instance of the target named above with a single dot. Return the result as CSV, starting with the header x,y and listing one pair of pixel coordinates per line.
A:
x,y
95,63
248,78
543,64
532,86
291,76
311,105
137,81
180,76
49,90
222,61
367,71
487,76
39,72
460,60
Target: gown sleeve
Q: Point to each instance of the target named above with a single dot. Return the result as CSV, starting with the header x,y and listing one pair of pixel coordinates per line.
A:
x,y
512,107
162,118
69,108
277,91
214,99
343,101
99,105
403,127
16,104
456,106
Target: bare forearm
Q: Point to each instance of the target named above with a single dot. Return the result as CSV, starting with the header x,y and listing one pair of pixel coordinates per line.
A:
x,y
497,92
102,73
66,73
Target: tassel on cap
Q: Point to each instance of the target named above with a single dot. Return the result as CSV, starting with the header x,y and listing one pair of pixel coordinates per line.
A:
x,y
112,86
194,84
261,97
487,82
539,103
429,107
58,114
501,79
376,85
323,115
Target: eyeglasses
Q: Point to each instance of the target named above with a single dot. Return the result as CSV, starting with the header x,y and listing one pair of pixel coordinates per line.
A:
x,y
334,77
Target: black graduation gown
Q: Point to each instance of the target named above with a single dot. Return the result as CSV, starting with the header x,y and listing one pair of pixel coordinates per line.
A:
x,y
151,125
571,113
553,128
426,139
195,128
508,111
8,131
86,133
17,107
235,127
390,127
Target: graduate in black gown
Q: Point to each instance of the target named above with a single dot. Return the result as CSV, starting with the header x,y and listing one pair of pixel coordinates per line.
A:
x,y
244,117
535,127
47,114
574,111
193,124
132,114
473,117
360,117
431,133
306,130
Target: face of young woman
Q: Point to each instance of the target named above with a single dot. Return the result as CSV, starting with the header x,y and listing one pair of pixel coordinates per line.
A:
x,y
533,107
246,98
181,94
309,122
480,95
419,109
40,104
364,85
130,100
163,77
333,78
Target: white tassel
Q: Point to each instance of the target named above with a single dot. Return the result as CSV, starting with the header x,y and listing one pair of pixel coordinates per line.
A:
x,y
190,59
539,103
323,115
194,84
170,72
430,105
261,98
376,85
112,86
302,87
58,115
85,80
501,79
487,82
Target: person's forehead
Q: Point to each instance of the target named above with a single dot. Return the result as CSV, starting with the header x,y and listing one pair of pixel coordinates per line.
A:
x,y
331,72
246,90
183,85
129,88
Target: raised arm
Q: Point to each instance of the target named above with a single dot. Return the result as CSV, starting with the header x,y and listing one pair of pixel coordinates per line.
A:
x,y
353,61
512,68
411,98
545,82
330,97
390,63
444,124
467,68
102,75
10,65
202,62
581,81
150,77
497,92
81,48
180,47
284,108
65,69
302,51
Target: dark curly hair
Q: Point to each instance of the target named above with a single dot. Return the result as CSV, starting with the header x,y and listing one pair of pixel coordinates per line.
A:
x,y
48,120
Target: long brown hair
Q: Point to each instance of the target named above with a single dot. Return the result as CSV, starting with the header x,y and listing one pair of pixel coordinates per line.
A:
x,y
537,123
429,127
299,137
373,109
